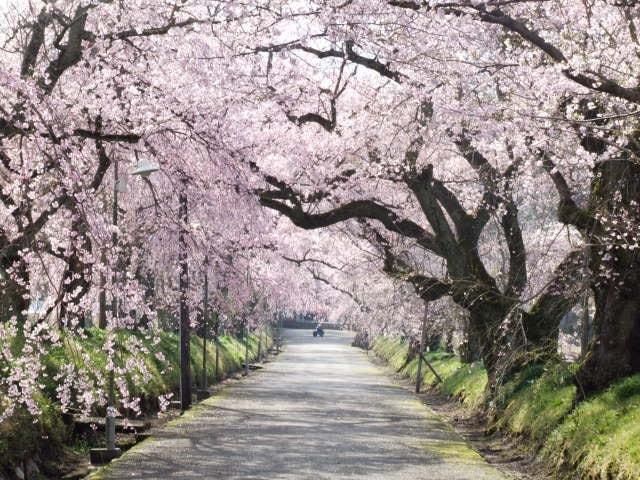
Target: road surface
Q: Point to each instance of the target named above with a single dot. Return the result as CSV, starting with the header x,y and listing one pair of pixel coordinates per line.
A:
x,y
322,410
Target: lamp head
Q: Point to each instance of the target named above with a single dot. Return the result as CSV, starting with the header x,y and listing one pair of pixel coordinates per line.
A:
x,y
144,168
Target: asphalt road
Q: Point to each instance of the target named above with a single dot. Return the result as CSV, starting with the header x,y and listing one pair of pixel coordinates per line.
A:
x,y
320,411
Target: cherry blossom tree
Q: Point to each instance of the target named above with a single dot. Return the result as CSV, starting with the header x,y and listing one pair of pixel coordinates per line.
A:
x,y
476,152
90,89
396,183
517,88
581,56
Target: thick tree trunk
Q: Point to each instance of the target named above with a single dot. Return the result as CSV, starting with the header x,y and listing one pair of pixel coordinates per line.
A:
x,y
76,278
508,337
585,328
421,349
540,327
471,348
448,341
614,351
485,326
487,310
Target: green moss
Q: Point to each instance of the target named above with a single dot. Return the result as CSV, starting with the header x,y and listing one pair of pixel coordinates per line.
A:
x,y
22,435
392,349
537,400
601,438
161,376
468,383
463,381
459,451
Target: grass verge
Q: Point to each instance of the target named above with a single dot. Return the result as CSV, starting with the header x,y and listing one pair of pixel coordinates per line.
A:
x,y
46,437
599,439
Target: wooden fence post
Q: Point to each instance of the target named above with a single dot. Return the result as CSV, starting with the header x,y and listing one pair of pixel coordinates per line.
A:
x,y
423,340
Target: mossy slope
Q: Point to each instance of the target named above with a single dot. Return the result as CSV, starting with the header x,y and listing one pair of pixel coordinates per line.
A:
x,y
22,436
599,439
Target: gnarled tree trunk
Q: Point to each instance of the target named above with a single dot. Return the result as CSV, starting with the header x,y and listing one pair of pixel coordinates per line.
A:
x,y
614,351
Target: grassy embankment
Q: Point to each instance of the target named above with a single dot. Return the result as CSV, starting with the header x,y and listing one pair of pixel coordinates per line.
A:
x,y
46,438
598,439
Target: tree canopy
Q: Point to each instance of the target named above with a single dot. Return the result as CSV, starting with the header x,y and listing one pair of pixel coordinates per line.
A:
x,y
355,158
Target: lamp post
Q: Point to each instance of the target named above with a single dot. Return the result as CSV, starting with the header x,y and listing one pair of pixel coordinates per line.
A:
x,y
110,420
216,340
185,330
259,344
423,341
222,288
203,392
143,169
246,347
246,332
205,319
279,328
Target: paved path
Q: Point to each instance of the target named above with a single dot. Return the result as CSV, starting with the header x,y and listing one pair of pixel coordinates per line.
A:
x,y
321,411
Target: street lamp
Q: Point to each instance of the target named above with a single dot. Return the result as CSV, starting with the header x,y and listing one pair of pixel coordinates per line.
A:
x,y
246,331
223,291
183,284
205,320
144,169
204,392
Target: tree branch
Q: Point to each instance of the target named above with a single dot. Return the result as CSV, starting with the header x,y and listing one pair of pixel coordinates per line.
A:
x,y
421,185
427,288
491,178
72,51
560,295
348,53
31,51
107,137
591,80
569,212
352,210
